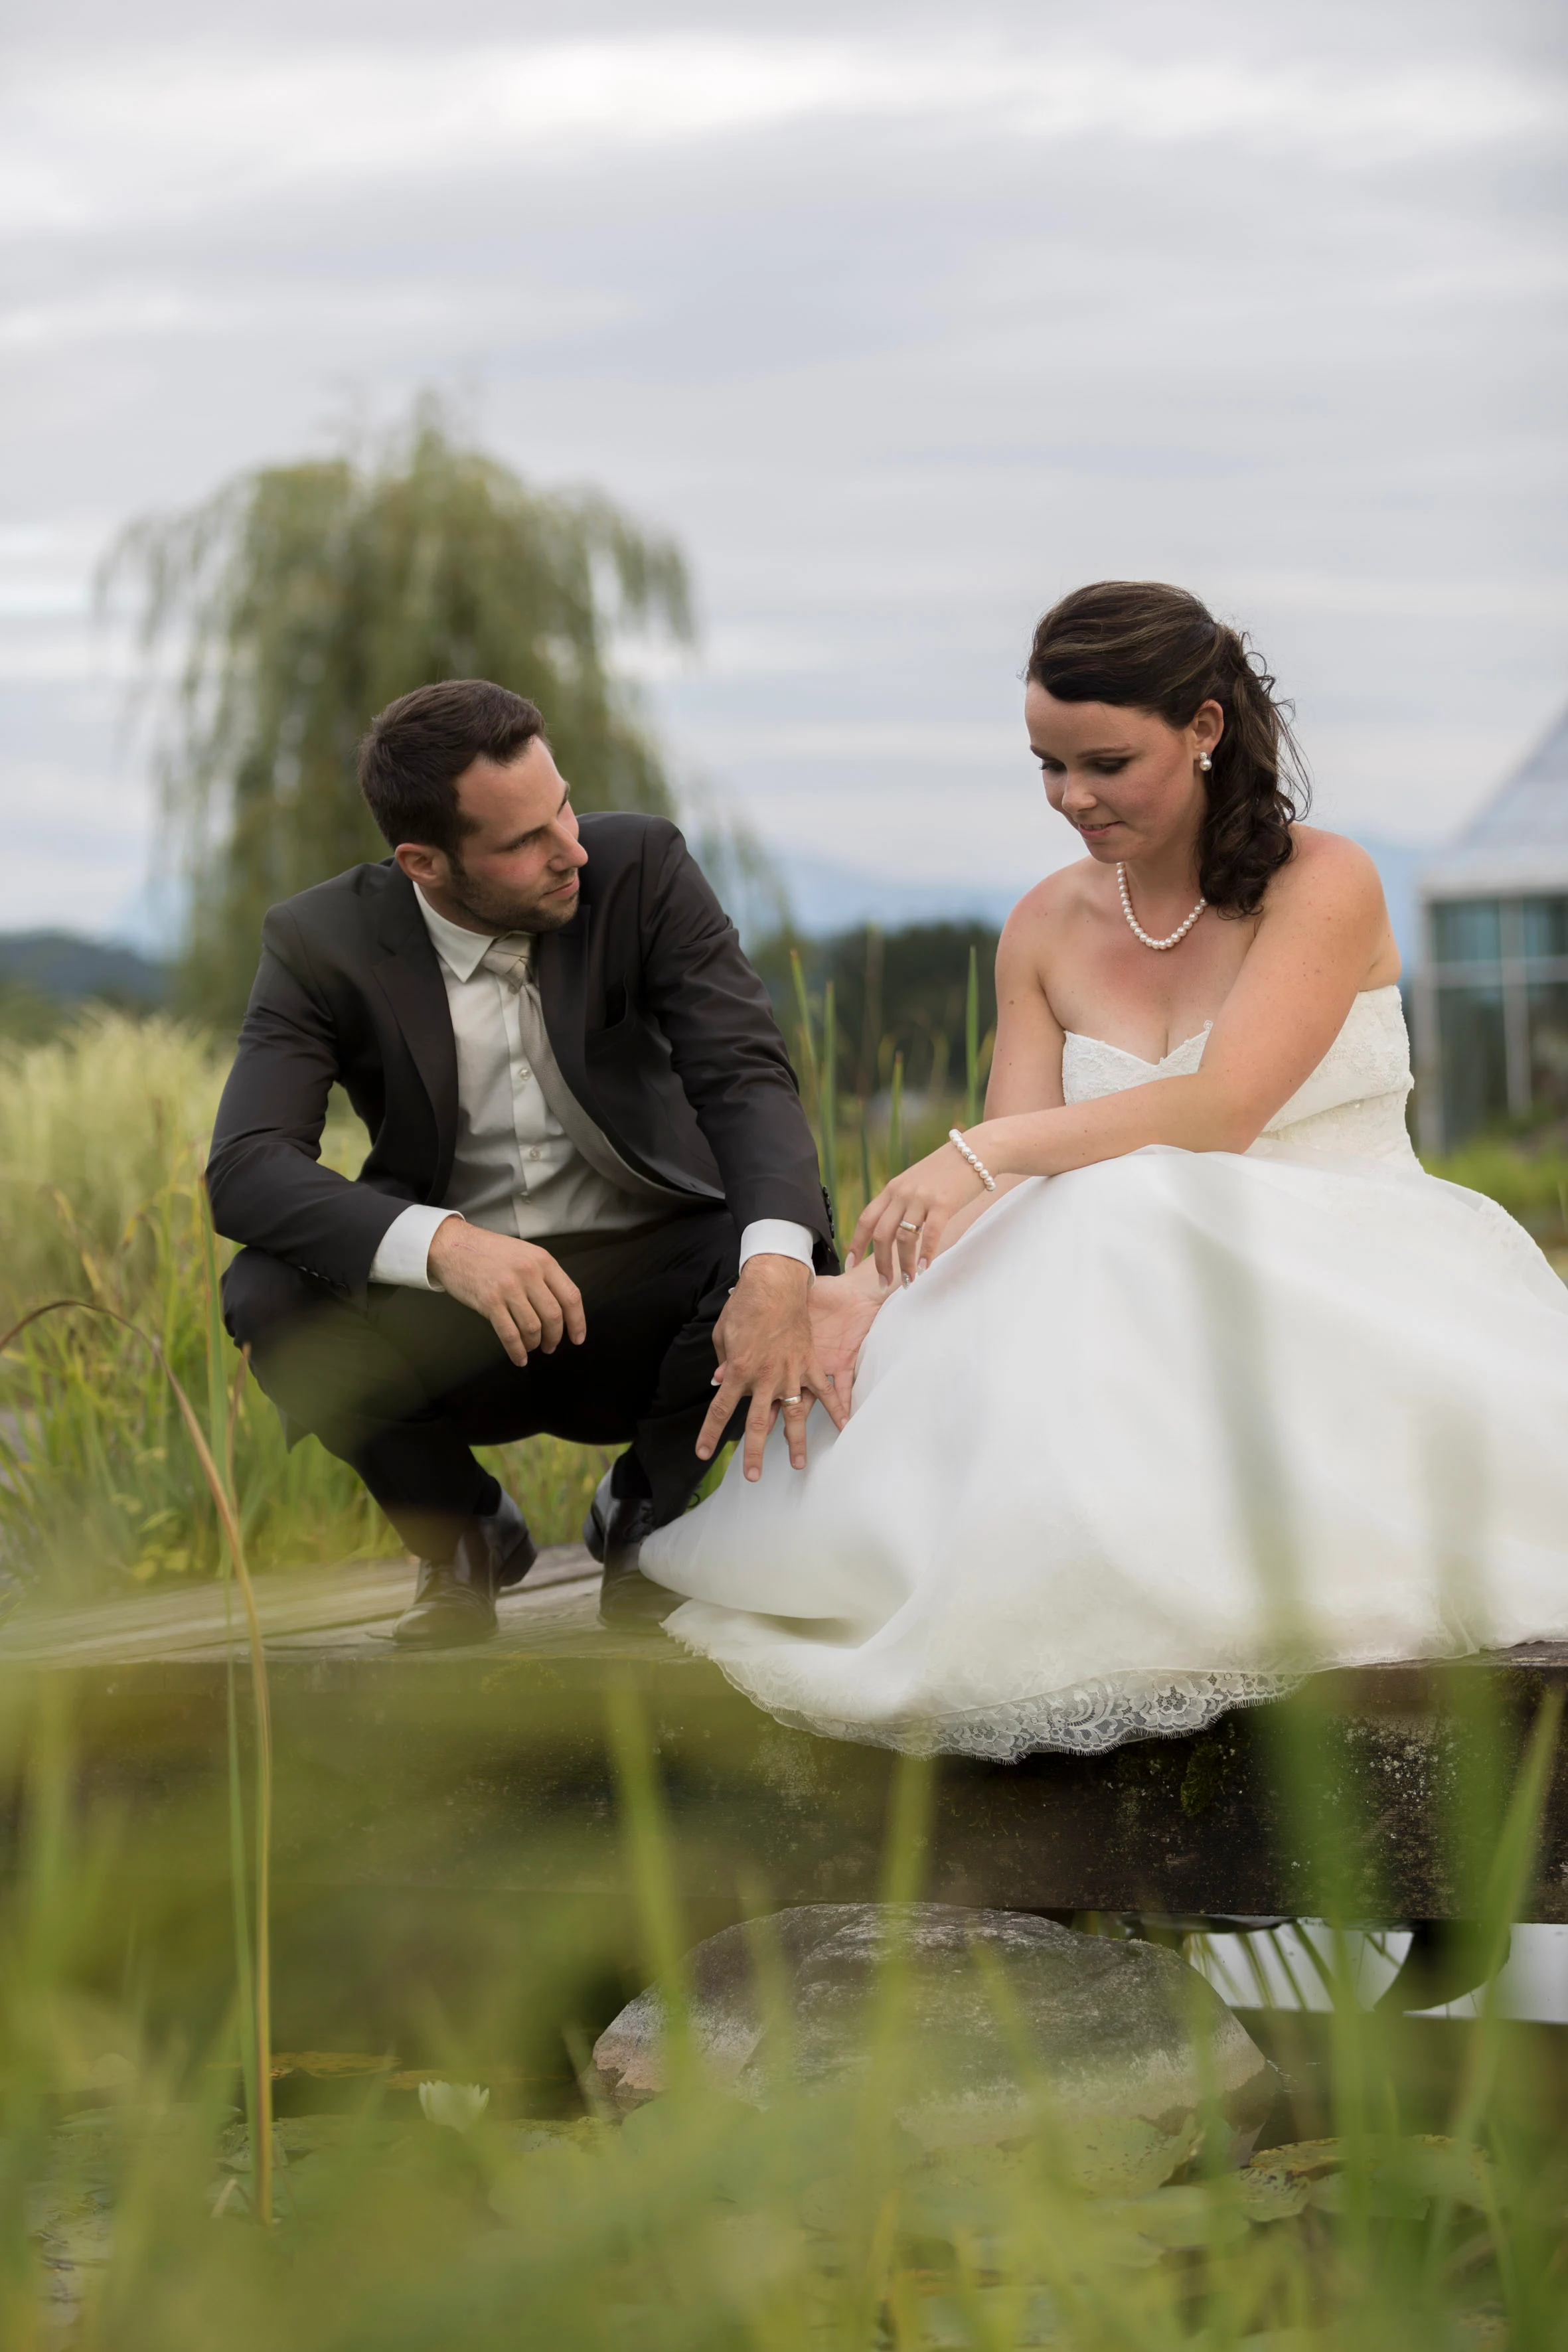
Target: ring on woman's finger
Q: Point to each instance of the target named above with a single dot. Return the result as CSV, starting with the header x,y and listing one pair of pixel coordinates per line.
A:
x,y
907,1226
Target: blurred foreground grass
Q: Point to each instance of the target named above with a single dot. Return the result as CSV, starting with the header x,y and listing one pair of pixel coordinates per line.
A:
x,y
1392,2209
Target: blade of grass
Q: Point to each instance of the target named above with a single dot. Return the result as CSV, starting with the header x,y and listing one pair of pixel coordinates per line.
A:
x,y
807,1033
251,1959
1272,1938
904,1855
1511,1865
223,1502
653,1872
827,1110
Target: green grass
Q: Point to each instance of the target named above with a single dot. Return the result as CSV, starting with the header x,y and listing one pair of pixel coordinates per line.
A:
x,y
1531,1184
102,1136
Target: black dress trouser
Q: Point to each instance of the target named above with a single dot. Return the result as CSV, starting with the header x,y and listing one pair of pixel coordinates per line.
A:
x,y
402,1384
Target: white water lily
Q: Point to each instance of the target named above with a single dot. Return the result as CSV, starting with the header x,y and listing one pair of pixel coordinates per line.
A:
x,y
458,2106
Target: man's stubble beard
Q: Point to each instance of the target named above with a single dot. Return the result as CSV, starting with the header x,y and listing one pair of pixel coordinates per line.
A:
x,y
499,914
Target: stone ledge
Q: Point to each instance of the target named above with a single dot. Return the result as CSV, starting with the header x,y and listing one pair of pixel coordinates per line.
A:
x,y
488,1770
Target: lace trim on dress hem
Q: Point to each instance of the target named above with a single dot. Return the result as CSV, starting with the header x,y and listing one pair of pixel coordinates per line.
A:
x,y
1084,1719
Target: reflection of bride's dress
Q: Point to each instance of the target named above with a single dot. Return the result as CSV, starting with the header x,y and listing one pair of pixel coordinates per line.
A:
x,y
1155,1432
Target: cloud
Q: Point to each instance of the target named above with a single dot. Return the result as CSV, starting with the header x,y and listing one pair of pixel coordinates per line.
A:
x,y
874,740
44,600
902,321
159,133
47,602
1349,595
131,313
76,842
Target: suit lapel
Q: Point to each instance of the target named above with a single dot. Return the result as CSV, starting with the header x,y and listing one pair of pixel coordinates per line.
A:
x,y
409,976
561,963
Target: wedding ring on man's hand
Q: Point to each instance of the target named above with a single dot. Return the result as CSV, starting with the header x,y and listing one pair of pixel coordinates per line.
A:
x,y
793,1400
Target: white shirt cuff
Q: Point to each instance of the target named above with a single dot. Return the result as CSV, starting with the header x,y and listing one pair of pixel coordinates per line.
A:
x,y
404,1253
776,1237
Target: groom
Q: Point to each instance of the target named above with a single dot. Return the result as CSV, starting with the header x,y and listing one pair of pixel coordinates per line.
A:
x,y
590,1177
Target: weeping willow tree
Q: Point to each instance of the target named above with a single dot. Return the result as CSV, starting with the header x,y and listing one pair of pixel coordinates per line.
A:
x,y
300,599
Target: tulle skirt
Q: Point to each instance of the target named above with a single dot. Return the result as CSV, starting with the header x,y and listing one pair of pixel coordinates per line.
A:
x,y
1150,1441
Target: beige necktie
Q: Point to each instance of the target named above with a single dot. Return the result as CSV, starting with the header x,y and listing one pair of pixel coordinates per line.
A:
x,y
511,957
510,960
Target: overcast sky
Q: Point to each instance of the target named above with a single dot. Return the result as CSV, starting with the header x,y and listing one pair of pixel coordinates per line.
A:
x,y
902,321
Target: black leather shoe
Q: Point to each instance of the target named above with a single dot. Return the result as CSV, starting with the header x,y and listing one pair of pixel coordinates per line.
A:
x,y
614,1533
455,1600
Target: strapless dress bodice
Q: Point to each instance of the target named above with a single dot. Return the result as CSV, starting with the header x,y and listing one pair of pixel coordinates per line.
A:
x,y
1352,1107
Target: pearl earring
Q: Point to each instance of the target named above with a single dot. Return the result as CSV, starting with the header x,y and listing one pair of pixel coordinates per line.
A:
x,y
1205,762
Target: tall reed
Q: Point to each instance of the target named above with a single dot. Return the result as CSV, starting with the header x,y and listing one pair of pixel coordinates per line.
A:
x,y
853,1134
214,1451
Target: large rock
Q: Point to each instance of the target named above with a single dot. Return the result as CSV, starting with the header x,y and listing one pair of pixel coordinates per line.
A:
x,y
1111,2030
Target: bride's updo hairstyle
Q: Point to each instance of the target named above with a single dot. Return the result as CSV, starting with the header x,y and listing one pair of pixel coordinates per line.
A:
x,y
1145,646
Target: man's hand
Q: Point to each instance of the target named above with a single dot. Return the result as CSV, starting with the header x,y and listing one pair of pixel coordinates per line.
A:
x,y
765,1351
527,1299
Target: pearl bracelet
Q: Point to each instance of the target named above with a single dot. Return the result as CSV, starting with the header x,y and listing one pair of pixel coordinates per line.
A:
x,y
978,1165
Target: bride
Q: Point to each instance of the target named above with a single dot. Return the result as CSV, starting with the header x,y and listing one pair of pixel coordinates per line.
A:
x,y
1177,1377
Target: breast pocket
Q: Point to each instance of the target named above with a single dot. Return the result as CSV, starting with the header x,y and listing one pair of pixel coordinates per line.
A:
x,y
616,1008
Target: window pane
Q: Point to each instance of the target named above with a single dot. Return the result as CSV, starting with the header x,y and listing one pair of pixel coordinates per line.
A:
x,y
1549,1045
1473,1059
1467,931
1546,927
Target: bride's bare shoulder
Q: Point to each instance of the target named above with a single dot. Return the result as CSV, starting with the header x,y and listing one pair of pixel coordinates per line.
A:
x,y
1326,863
1058,897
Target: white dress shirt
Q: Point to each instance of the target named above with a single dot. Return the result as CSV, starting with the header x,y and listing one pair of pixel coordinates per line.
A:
x,y
515,1169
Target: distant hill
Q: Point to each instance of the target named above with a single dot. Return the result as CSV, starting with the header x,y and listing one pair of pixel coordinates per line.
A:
x,y
70,969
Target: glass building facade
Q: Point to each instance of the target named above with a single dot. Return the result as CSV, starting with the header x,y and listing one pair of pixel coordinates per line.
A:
x,y
1491,987
1494,1001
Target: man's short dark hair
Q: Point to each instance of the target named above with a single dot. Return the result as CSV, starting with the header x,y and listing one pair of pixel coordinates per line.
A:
x,y
418,746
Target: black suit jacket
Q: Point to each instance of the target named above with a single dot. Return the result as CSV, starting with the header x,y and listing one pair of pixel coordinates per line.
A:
x,y
662,1030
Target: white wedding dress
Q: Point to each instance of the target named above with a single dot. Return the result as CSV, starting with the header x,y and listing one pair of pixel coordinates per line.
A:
x,y
1154,1437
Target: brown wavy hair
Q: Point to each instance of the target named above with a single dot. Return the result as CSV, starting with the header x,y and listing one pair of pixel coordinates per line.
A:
x,y
1145,646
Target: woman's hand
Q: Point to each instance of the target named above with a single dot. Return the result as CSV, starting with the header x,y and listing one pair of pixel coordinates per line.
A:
x,y
904,1224
843,1308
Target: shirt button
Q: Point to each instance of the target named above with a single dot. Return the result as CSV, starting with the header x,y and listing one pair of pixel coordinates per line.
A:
x,y
533,1151
522,1070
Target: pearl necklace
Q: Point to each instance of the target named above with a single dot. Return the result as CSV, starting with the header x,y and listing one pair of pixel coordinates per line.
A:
x,y
1136,928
